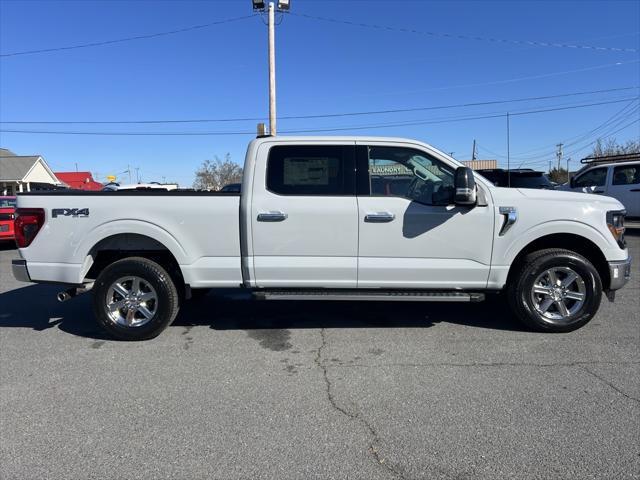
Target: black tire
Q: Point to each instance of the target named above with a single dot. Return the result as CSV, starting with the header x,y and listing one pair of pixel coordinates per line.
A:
x,y
165,310
521,282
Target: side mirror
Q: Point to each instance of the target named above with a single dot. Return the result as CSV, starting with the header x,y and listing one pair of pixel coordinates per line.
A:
x,y
465,185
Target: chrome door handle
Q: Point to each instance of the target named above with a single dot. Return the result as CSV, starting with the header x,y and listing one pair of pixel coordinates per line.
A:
x,y
379,217
272,216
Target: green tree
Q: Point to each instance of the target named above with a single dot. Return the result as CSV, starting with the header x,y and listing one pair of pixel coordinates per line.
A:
x,y
215,174
558,175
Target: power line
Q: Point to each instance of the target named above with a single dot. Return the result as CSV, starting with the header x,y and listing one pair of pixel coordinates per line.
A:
x,y
329,115
465,116
605,130
451,120
328,129
511,80
576,150
611,121
465,37
127,39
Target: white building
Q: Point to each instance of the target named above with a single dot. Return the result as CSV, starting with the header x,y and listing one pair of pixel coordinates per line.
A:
x,y
23,173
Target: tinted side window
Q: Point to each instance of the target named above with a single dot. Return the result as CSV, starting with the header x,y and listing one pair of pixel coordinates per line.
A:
x,y
311,170
409,173
593,178
626,175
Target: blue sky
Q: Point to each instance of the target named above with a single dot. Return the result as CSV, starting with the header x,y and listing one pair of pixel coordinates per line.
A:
x,y
322,68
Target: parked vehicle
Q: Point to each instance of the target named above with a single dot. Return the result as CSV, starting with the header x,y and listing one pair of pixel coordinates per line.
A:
x,y
7,213
113,186
517,178
329,218
617,179
232,188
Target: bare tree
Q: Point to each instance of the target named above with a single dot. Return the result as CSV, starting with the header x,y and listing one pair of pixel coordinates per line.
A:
x,y
215,174
609,146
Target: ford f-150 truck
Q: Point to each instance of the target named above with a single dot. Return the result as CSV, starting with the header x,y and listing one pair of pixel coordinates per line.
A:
x,y
329,218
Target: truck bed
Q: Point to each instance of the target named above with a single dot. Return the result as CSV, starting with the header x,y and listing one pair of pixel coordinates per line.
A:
x,y
199,228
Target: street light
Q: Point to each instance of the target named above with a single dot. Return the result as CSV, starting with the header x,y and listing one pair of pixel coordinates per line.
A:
x,y
258,4
284,5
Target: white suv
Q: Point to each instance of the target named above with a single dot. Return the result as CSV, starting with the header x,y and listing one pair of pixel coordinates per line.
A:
x,y
618,180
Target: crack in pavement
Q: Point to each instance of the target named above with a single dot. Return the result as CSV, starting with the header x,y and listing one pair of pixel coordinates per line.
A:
x,y
476,364
374,445
607,382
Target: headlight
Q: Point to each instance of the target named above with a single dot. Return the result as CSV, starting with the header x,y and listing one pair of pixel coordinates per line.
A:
x,y
615,222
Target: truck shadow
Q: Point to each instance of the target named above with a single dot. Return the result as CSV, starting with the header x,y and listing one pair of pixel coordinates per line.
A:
x,y
36,307
235,312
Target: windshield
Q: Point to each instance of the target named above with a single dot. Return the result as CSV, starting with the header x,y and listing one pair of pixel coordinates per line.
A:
x,y
7,202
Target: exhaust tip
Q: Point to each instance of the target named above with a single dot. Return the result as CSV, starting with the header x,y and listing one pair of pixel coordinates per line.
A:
x,y
63,296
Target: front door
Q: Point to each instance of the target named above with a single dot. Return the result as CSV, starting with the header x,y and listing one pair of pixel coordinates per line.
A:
x,y
305,216
625,187
411,233
592,181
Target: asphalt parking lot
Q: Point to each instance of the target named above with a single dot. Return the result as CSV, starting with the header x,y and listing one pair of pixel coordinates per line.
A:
x,y
237,389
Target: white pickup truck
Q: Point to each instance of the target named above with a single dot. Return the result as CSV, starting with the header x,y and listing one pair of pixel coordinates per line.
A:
x,y
329,218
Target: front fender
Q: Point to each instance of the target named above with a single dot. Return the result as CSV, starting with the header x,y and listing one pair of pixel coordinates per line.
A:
x,y
509,246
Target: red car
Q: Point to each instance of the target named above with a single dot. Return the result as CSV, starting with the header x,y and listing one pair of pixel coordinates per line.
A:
x,y
7,213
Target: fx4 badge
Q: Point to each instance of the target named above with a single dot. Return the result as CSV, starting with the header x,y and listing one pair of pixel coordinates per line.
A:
x,y
69,212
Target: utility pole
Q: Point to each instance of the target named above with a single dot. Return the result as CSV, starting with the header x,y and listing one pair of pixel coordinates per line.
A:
x,y
559,154
568,179
270,10
76,166
137,174
129,172
473,152
272,69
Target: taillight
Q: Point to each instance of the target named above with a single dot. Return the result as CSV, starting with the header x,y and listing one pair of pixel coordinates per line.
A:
x,y
27,224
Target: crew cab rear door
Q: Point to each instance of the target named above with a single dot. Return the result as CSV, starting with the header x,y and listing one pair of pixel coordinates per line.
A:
x,y
304,215
411,233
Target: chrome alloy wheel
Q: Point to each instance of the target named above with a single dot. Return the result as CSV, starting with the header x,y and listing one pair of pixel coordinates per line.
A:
x,y
131,302
558,293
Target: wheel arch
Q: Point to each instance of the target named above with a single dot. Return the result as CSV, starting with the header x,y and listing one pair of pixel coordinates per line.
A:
x,y
122,245
568,241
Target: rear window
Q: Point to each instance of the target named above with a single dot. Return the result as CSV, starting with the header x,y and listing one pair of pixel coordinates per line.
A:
x,y
626,175
311,170
497,178
538,181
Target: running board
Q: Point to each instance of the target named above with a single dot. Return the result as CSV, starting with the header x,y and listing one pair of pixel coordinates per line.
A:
x,y
385,296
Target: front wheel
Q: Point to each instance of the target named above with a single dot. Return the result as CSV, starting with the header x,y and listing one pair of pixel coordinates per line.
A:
x,y
135,299
555,290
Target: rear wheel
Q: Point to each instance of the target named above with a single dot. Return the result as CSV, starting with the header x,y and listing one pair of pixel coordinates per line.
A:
x,y
135,299
555,290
